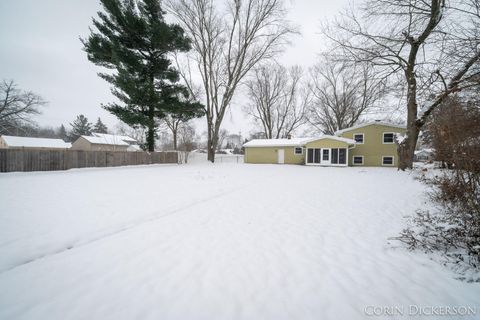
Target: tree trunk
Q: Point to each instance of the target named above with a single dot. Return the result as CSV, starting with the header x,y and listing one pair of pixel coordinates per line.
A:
x,y
210,145
151,130
174,133
213,130
406,149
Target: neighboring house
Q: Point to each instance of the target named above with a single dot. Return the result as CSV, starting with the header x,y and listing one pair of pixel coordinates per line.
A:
x,y
234,141
424,155
12,142
90,143
369,144
114,137
105,142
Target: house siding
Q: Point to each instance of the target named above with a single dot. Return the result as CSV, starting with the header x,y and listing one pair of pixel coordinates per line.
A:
x,y
268,155
373,148
326,143
83,144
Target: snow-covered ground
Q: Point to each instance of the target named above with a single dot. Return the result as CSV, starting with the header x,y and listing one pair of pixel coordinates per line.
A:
x,y
223,241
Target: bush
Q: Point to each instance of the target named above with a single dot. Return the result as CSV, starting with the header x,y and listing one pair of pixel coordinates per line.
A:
x,y
453,229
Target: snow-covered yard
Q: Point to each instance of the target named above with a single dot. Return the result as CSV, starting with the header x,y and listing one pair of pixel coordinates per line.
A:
x,y
223,241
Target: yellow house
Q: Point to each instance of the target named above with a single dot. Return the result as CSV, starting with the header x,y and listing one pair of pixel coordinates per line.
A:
x,y
375,143
368,144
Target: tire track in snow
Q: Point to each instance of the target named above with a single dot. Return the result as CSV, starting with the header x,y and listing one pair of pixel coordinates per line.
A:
x,y
127,227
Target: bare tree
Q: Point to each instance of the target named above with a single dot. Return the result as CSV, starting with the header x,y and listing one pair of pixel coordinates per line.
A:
x,y
173,124
431,47
226,46
187,139
342,93
17,106
222,135
278,99
138,133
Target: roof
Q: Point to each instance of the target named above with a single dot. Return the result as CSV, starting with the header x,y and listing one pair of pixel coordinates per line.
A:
x,y
276,142
112,140
294,142
29,142
377,122
427,150
114,137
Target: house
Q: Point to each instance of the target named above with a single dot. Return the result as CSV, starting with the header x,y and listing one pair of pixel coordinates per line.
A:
x,y
368,144
114,137
13,142
105,142
233,141
424,155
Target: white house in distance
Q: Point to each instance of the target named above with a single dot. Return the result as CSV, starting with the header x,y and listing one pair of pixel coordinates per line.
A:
x,y
13,142
105,142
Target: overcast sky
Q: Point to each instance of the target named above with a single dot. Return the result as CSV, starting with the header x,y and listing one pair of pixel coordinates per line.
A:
x,y
41,51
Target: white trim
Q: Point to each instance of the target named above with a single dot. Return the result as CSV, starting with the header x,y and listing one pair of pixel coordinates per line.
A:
x,y
323,163
388,165
363,137
295,151
358,164
393,137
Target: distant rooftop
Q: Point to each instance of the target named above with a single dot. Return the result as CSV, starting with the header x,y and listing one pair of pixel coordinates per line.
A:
x,y
29,142
106,139
114,137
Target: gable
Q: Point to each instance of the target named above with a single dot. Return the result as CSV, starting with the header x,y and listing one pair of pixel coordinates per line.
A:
x,y
377,125
329,143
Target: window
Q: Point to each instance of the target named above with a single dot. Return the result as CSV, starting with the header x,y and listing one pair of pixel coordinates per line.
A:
x,y
358,160
339,156
342,156
317,156
298,150
388,137
313,155
358,137
387,161
334,156
325,154
309,155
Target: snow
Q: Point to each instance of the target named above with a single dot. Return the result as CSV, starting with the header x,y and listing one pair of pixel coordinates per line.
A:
x,y
215,241
294,142
29,142
114,137
277,142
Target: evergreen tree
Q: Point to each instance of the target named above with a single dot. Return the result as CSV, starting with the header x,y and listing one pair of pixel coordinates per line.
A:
x,y
62,133
100,127
133,39
80,127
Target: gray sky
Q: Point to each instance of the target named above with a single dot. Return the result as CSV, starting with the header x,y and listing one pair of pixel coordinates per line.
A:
x,y
41,51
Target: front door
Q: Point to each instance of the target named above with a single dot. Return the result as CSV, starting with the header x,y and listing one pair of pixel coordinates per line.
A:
x,y
326,156
281,156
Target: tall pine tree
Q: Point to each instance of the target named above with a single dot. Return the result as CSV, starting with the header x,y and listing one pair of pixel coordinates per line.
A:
x,y
62,133
80,127
100,127
133,39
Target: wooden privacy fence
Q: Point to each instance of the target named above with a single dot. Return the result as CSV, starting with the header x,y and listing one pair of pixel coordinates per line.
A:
x,y
47,160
